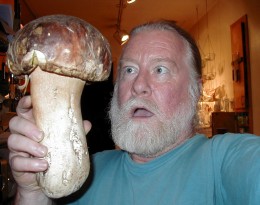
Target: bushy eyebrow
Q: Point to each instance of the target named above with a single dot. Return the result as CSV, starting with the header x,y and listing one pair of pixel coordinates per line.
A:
x,y
164,59
127,60
155,60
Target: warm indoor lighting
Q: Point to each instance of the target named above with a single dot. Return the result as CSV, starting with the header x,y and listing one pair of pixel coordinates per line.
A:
x,y
121,36
125,37
130,1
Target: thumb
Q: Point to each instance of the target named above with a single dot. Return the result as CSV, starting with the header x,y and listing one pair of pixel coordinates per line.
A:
x,y
87,126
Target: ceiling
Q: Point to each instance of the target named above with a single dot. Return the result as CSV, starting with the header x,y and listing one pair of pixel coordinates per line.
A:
x,y
103,14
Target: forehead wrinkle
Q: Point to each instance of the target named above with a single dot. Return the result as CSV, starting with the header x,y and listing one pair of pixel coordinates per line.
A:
x,y
154,49
163,59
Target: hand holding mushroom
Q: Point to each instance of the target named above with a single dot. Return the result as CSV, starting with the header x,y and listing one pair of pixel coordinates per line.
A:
x,y
60,54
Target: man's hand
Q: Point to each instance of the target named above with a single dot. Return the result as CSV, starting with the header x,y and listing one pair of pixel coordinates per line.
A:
x,y
26,154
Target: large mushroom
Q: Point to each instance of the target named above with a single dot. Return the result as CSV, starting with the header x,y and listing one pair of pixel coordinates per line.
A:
x,y
60,54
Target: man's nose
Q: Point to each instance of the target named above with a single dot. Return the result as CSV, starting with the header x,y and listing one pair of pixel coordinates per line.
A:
x,y
141,85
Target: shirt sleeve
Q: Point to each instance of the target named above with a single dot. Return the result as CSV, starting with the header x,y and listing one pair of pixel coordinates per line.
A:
x,y
240,170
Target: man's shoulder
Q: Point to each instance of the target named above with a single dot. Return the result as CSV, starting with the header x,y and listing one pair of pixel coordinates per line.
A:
x,y
222,145
232,145
235,139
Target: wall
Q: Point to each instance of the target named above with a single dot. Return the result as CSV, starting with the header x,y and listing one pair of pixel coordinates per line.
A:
x,y
216,25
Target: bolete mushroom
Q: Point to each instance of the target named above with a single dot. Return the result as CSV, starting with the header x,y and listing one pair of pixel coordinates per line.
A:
x,y
60,54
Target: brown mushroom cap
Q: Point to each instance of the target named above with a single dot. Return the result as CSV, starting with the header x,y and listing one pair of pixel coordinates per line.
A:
x,y
60,44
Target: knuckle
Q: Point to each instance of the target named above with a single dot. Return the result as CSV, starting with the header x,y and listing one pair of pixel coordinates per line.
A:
x,y
13,122
12,160
12,139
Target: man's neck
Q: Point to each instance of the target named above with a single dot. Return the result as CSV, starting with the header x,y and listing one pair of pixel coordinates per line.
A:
x,y
143,159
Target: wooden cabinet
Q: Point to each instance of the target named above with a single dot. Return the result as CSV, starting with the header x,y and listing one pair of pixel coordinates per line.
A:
x,y
241,70
223,122
234,122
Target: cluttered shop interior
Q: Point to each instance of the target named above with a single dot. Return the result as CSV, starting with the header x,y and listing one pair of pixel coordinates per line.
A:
x,y
226,32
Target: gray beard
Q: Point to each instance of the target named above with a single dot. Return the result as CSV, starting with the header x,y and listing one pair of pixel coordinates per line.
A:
x,y
151,138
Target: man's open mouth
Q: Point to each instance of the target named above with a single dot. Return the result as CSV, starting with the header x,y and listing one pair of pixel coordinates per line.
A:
x,y
141,112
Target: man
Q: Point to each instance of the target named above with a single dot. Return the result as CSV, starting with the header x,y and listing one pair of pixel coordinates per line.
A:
x,y
153,110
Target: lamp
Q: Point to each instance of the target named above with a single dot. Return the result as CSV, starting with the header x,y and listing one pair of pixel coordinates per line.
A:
x,y
121,36
130,1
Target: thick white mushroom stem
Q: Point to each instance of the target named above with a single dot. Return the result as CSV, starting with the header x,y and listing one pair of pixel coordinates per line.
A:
x,y
56,108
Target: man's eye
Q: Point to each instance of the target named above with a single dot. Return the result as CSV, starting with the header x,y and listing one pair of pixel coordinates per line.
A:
x,y
129,70
161,70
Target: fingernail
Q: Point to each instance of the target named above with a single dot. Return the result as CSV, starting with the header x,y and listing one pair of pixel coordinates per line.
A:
x,y
39,135
42,165
42,150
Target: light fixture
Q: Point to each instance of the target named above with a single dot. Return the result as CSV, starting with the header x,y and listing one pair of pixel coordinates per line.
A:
x,y
121,36
130,1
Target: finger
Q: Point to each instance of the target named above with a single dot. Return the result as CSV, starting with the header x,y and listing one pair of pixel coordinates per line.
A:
x,y
26,128
87,126
25,146
24,108
25,164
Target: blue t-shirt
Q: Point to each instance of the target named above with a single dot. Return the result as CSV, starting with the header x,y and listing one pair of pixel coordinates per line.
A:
x,y
224,170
